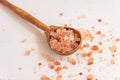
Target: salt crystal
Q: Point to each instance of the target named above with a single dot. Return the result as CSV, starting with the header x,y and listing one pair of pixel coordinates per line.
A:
x,y
66,37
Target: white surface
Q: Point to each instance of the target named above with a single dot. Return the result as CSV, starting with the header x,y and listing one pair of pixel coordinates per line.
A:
x,y
14,29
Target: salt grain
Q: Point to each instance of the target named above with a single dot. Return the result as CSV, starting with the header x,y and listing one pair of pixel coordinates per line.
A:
x,y
39,64
80,73
117,39
90,61
100,51
98,32
44,77
113,48
58,69
99,20
59,77
95,47
60,14
100,43
57,63
48,57
27,53
65,67
51,67
72,61
89,54
112,61
90,77
19,68
24,40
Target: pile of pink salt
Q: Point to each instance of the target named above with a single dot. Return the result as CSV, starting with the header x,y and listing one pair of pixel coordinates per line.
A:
x,y
64,40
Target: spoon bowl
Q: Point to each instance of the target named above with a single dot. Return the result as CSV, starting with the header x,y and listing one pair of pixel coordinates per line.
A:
x,y
74,49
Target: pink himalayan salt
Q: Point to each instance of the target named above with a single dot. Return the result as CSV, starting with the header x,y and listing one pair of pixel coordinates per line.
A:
x,y
63,40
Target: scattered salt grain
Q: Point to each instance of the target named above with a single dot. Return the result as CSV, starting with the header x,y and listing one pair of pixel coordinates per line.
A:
x,y
98,32
100,51
117,39
112,61
100,43
27,53
90,77
90,61
80,73
99,20
19,68
65,67
60,14
72,61
95,47
57,63
48,57
58,69
32,49
51,67
59,77
39,64
44,77
113,48
89,54
84,54
24,40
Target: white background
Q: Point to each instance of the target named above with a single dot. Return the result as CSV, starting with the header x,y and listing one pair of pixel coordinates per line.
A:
x,y
13,29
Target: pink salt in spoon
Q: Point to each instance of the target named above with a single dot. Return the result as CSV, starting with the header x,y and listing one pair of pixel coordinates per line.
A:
x,y
62,40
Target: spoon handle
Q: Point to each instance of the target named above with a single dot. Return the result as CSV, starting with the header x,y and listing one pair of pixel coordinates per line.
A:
x,y
28,17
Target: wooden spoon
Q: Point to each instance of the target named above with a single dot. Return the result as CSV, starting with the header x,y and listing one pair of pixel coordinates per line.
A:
x,y
48,30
